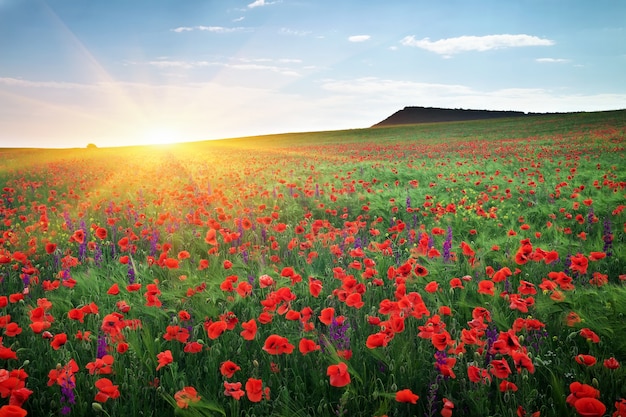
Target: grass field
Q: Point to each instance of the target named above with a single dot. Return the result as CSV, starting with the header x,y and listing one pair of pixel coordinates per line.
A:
x,y
468,269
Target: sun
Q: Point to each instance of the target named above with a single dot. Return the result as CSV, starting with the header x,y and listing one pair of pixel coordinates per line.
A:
x,y
161,136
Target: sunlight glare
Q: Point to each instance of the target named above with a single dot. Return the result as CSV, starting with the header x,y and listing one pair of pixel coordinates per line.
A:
x,y
161,136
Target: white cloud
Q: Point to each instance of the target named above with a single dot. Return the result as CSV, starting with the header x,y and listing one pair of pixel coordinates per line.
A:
x,y
213,29
450,46
239,19
359,38
552,60
259,3
243,64
293,32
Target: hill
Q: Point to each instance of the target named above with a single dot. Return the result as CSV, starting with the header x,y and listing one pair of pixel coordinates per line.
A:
x,y
416,115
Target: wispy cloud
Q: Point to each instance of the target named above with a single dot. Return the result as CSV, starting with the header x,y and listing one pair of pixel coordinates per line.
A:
x,y
278,66
293,32
18,82
259,3
359,38
451,46
214,29
553,60
239,19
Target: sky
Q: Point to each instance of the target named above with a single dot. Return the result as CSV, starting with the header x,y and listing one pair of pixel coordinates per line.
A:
x,y
132,72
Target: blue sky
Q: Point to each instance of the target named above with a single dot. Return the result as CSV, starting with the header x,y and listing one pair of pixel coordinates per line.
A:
x,y
119,72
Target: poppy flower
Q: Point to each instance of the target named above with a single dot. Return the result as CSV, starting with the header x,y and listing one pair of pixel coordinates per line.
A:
x,y
578,391
228,369
507,386
254,390
164,359
500,368
277,345
589,407
354,300
326,315
486,287
233,389
590,335
406,396
185,396
12,411
579,264
101,366
586,360
611,363
58,341
249,329
215,329
339,376
51,248
307,346
431,287
113,290
193,347
377,340
420,271
448,406
211,237
78,236
106,390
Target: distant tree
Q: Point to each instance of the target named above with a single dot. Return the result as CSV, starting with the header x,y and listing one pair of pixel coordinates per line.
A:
x,y
92,146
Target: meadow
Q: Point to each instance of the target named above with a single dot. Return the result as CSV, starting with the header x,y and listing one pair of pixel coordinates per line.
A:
x,y
454,269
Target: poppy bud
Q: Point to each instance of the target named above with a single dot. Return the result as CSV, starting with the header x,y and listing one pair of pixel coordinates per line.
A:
x,y
97,407
595,383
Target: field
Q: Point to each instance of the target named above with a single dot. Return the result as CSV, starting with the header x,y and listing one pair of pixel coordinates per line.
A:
x,y
456,269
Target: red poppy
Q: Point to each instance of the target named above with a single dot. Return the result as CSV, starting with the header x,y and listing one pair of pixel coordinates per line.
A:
x,y
448,406
249,329
277,345
51,248
339,376
211,237
586,360
500,368
431,287
106,390
486,287
164,359
579,264
101,233
326,315
58,341
611,363
507,386
377,340
78,236
114,289
12,411
420,271
215,329
185,396
578,391
589,407
307,346
101,366
233,389
254,390
228,369
590,335
406,396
